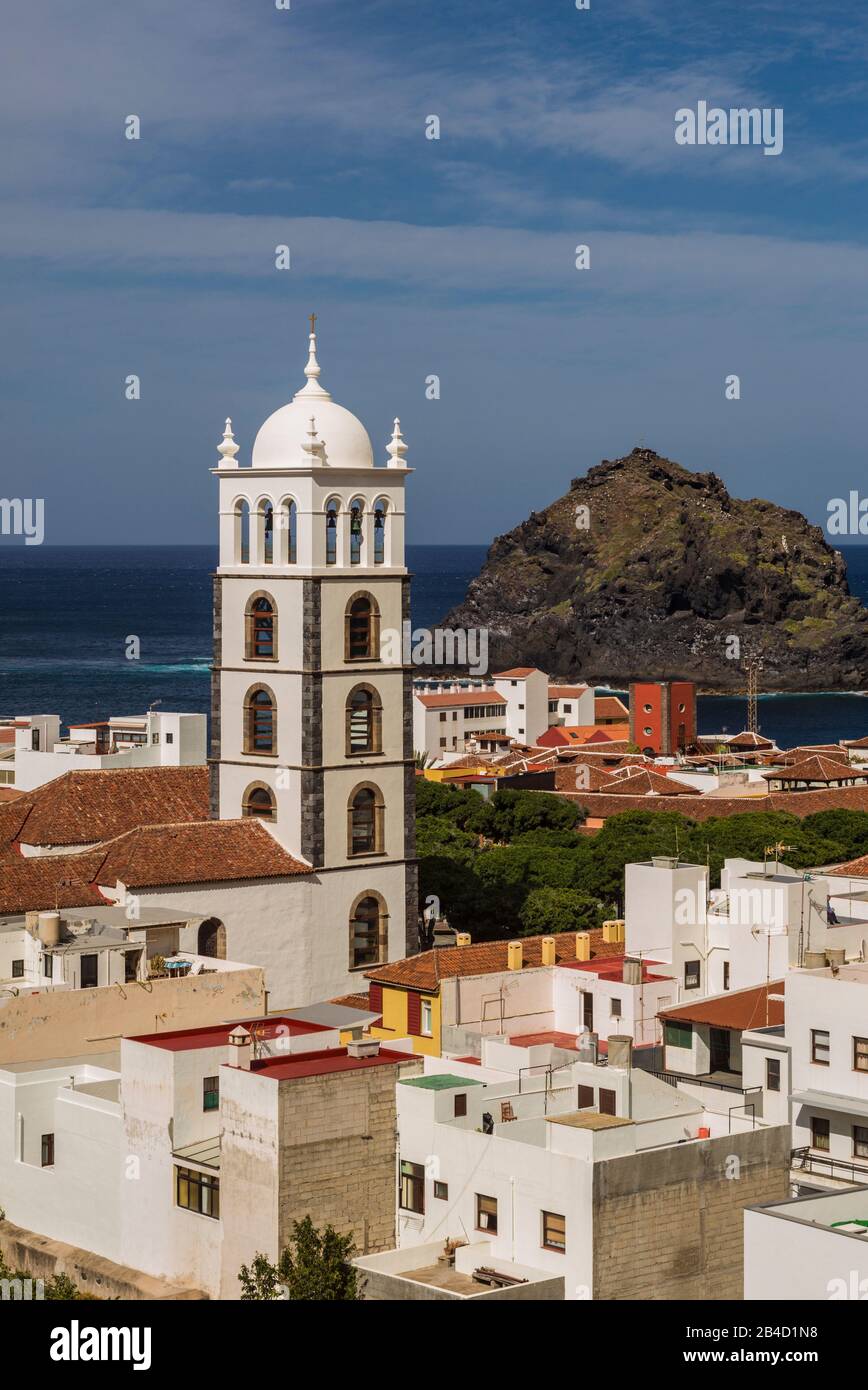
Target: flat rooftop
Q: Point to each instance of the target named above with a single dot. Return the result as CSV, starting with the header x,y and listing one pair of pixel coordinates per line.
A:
x,y
217,1035
443,1081
588,1119
328,1063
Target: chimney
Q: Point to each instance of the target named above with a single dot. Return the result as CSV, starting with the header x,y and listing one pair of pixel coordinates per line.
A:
x,y
588,1047
548,950
514,956
632,971
240,1048
363,1047
462,938
583,945
620,1051
836,957
613,931
815,960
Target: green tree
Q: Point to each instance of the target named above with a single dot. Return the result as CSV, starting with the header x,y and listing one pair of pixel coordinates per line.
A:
x,y
315,1268
551,910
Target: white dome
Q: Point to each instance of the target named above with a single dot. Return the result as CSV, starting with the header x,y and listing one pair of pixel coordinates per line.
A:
x,y
340,440
279,442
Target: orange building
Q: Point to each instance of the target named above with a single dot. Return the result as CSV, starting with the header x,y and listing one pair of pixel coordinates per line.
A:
x,y
662,716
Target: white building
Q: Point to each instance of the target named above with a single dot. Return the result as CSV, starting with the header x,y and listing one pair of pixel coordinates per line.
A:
x,y
156,739
553,1165
520,703
811,1248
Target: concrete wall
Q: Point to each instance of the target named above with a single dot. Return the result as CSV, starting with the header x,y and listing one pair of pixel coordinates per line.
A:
x,y
61,1023
337,1136
668,1225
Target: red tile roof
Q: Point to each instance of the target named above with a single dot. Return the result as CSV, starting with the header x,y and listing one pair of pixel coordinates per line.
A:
x,y
748,739
43,882
582,776
86,807
701,808
744,1008
426,970
329,1063
446,699
645,782
216,851
610,707
819,768
567,692
515,673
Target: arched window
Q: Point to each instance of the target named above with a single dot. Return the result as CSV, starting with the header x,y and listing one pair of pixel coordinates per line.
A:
x,y
368,931
260,629
212,939
259,801
268,534
287,525
362,629
364,721
260,722
331,525
365,822
242,532
357,531
381,507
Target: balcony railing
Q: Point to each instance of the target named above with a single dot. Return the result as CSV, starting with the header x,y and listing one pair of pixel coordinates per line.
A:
x,y
824,1165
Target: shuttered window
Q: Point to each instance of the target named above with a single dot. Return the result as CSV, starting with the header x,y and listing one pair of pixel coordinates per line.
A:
x,y
414,1013
586,1097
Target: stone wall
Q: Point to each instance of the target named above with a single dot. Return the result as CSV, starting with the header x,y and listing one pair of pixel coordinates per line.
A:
x,y
43,1258
669,1224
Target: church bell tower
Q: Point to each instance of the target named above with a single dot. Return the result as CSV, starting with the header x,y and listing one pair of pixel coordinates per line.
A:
x,y
311,726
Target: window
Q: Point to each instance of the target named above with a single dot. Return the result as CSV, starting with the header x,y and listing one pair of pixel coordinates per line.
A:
x,y
586,1097
459,1107
89,968
773,1073
427,1019
260,623
34,740
362,629
819,1134
443,717
614,1008
726,974
648,731
486,1213
607,1102
860,1054
367,932
442,743
441,1191
677,1034
364,721
259,801
412,1193
554,1231
131,966
48,1150
48,966
211,1093
287,525
820,1047
170,738
860,1141
692,971
199,1192
568,709
260,722
365,822
18,970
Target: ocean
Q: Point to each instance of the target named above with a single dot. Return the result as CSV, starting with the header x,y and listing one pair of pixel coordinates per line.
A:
x,y
67,614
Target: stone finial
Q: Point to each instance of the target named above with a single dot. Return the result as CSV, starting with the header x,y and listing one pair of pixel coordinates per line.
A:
x,y
228,448
396,448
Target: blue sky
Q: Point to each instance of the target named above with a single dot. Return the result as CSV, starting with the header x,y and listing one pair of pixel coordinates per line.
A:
x,y
452,257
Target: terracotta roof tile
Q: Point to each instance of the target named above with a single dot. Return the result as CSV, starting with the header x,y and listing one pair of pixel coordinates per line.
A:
x,y
197,852
644,782
426,970
448,698
701,808
818,768
86,807
42,882
515,673
567,692
610,707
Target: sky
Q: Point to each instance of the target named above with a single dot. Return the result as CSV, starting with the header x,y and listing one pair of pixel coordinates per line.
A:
x,y
456,257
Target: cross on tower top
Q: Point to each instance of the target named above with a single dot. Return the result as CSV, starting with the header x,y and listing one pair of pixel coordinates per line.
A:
x,y
313,323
